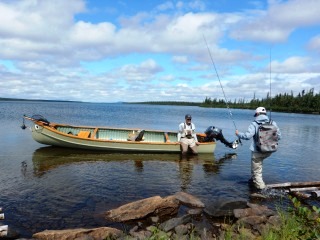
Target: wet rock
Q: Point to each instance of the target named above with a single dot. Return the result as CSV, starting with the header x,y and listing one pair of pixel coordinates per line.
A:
x,y
258,196
140,209
189,200
224,208
155,219
174,222
195,211
79,233
251,221
181,230
256,210
274,220
141,235
134,229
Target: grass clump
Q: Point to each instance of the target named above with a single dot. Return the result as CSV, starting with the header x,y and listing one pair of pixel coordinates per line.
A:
x,y
299,222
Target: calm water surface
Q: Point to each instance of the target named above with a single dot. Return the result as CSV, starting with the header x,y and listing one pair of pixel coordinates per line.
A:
x,y
54,188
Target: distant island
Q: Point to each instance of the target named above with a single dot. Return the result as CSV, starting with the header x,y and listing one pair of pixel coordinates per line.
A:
x,y
33,100
305,102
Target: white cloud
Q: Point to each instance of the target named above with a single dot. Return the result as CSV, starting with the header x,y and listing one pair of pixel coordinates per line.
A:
x,y
180,59
165,6
275,24
47,42
142,72
314,44
295,65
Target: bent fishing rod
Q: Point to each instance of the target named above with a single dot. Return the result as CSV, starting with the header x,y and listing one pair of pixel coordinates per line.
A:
x,y
270,98
224,95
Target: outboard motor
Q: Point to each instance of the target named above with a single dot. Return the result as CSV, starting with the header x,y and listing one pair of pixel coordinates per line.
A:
x,y
213,132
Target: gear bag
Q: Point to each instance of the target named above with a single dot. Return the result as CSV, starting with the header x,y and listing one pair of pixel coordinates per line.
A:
x,y
266,137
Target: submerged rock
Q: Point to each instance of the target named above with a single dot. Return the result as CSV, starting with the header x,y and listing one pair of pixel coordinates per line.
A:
x,y
224,208
189,200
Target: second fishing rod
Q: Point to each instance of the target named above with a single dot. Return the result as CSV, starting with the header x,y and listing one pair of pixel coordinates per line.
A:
x,y
224,95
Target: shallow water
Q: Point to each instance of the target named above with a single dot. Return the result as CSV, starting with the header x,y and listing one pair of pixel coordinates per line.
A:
x,y
54,188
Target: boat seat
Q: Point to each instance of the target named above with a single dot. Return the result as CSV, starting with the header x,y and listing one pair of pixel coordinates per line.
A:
x,y
84,134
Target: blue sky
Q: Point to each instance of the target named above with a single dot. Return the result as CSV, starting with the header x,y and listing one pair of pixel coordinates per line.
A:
x,y
109,51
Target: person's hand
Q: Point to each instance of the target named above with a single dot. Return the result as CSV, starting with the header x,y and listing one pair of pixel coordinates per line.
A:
x,y
197,143
237,132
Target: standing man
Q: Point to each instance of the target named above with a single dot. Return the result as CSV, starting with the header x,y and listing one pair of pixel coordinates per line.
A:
x,y
187,136
257,157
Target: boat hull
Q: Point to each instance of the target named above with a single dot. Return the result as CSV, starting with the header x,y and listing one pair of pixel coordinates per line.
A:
x,y
153,143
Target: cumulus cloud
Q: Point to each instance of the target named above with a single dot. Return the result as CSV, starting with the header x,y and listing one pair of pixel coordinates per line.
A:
x,y
295,65
314,44
48,44
275,24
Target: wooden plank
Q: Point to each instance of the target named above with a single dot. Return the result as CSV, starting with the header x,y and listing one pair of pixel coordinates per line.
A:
x,y
93,135
294,185
303,189
166,137
1,216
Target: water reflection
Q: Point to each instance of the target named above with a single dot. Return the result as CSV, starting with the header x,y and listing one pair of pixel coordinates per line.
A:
x,y
47,158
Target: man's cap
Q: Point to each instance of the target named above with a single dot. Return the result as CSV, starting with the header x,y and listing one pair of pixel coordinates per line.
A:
x,y
260,110
187,116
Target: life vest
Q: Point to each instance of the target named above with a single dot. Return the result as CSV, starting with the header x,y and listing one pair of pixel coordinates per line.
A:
x,y
188,130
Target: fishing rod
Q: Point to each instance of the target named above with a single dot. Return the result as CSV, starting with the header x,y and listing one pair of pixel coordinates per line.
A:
x,y
224,95
270,98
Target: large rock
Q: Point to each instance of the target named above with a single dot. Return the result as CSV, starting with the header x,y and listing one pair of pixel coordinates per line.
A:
x,y
189,200
224,208
79,233
174,222
140,209
253,211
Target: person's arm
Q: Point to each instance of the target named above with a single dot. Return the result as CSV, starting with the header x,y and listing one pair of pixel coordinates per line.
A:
x,y
180,131
194,135
248,134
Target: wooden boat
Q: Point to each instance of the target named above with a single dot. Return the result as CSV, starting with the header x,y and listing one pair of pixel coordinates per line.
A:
x,y
109,139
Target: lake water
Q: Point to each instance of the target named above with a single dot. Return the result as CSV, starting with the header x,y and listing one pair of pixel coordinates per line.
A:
x,y
54,188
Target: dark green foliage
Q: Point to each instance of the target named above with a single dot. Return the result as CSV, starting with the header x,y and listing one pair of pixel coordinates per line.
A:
x,y
304,102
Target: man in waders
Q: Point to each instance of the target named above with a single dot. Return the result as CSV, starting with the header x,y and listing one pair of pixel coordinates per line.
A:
x,y
187,136
257,156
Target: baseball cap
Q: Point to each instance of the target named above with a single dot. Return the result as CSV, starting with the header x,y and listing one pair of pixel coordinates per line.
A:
x,y
187,116
260,110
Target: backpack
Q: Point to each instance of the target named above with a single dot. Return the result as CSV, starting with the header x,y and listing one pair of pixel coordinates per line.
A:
x,y
266,137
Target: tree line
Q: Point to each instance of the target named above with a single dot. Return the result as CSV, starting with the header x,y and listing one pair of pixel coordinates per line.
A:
x,y
303,102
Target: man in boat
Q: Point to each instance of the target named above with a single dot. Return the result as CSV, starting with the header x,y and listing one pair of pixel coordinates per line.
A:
x,y
257,156
187,136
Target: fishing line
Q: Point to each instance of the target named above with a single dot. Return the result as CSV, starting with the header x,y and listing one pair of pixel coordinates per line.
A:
x,y
224,95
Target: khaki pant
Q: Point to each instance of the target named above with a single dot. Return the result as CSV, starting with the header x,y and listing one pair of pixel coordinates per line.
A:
x,y
256,168
185,143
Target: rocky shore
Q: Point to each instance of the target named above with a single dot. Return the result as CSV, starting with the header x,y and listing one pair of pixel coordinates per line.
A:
x,y
179,216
